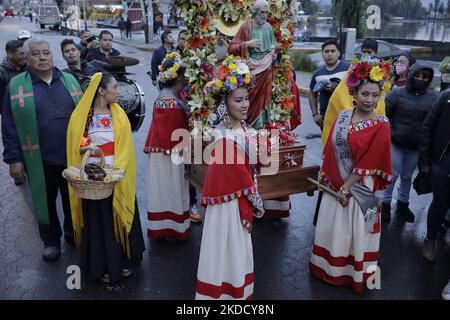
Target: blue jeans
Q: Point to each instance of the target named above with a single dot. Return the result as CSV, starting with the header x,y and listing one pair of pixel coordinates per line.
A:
x,y
404,162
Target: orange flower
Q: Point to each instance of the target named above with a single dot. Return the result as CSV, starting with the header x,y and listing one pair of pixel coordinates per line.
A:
x,y
195,43
272,20
286,103
386,67
204,23
203,113
223,72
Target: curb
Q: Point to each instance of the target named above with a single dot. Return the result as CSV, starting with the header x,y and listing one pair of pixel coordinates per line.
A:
x,y
137,46
422,50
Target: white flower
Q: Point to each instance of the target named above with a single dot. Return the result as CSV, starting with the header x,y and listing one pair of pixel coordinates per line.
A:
x,y
196,102
242,68
191,74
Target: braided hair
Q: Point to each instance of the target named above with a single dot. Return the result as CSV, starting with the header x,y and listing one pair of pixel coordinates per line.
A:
x,y
106,78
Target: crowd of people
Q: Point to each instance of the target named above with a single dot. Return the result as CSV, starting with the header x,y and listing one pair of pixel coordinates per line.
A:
x,y
380,123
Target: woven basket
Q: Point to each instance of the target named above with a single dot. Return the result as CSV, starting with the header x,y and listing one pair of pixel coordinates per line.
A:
x,y
90,189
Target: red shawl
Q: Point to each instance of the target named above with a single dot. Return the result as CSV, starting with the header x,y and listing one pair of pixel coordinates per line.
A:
x,y
370,144
226,182
168,116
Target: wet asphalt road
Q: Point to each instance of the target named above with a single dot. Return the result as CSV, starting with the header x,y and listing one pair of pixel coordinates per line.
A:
x,y
168,271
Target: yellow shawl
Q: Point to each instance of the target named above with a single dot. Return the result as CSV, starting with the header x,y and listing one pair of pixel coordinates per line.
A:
x,y
342,100
124,158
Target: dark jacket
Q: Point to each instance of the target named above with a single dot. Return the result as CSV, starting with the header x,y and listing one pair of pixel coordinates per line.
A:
x,y
7,71
87,69
157,57
122,25
407,108
54,106
96,54
84,50
435,142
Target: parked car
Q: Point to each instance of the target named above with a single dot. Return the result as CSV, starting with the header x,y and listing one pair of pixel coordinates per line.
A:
x,y
9,13
386,50
49,16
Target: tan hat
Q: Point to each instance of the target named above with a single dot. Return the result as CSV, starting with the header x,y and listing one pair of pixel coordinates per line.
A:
x,y
229,28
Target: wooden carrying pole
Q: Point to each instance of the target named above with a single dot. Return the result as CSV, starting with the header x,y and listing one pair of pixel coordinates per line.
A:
x,y
322,187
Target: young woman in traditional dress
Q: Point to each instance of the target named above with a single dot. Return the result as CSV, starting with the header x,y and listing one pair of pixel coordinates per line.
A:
x,y
357,166
230,193
108,231
168,191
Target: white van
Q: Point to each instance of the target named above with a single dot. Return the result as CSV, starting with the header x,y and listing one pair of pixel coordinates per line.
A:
x,y
49,16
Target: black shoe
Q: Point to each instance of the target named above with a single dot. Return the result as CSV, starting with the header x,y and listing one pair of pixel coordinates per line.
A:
x,y
69,239
51,253
277,223
403,210
386,212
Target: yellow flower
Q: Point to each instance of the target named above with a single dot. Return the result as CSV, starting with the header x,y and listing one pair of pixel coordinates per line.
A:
x,y
160,67
173,69
171,55
219,84
172,73
387,86
232,66
376,74
247,79
176,67
233,80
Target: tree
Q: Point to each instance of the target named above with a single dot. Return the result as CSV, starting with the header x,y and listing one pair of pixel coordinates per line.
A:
x,y
436,7
441,9
59,4
349,13
310,7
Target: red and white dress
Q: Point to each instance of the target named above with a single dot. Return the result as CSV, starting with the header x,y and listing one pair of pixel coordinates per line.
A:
x,y
225,269
345,253
168,191
101,133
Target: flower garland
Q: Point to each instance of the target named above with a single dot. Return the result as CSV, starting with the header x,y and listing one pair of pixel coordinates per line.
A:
x,y
232,10
199,57
170,73
280,19
233,73
372,70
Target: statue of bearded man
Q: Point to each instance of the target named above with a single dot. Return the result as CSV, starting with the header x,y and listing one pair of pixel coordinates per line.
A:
x,y
256,42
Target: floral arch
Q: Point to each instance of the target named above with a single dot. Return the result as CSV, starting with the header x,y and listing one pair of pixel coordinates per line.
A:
x,y
200,55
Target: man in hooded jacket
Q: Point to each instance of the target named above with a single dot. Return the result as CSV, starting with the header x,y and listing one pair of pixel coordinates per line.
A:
x,y
407,107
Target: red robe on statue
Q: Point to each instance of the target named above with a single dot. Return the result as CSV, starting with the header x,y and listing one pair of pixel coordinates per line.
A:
x,y
261,93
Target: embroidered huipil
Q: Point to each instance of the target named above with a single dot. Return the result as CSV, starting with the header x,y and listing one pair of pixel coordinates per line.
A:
x,y
101,134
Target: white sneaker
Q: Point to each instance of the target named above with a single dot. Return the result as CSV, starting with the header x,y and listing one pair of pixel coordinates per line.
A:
x,y
446,292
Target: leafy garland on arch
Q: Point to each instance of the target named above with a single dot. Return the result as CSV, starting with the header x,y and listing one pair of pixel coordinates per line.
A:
x,y
199,56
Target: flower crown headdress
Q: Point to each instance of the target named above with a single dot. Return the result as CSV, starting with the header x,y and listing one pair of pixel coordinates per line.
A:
x,y
232,74
369,70
172,72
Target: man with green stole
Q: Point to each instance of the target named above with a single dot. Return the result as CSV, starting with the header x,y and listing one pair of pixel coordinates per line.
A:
x,y
38,106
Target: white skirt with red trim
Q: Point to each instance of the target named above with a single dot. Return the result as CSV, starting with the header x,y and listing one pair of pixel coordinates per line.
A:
x,y
225,269
168,199
344,253
277,207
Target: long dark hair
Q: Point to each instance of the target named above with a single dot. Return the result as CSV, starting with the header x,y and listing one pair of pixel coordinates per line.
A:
x,y
106,79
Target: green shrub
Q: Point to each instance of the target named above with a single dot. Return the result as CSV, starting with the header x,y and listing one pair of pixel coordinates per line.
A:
x,y
301,61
